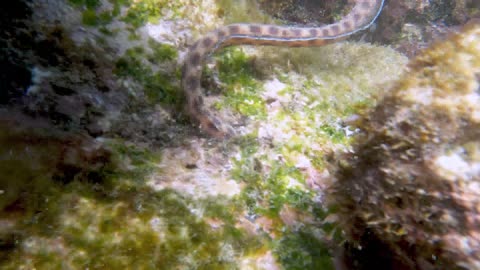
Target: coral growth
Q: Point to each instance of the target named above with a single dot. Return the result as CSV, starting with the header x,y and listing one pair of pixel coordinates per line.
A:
x,y
412,190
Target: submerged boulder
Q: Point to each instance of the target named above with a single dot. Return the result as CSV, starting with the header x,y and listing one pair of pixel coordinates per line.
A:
x,y
410,193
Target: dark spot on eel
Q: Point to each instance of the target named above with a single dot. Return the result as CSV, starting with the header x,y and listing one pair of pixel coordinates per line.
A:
x,y
273,30
195,59
207,42
365,5
221,34
234,29
255,29
336,29
357,17
192,83
297,32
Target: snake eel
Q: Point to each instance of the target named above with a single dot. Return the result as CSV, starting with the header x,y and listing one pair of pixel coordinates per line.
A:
x,y
362,15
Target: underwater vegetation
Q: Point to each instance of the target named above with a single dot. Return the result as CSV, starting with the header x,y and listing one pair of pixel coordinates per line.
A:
x,y
410,191
99,167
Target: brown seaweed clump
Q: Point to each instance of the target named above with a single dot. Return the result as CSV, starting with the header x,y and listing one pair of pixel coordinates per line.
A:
x,y
409,198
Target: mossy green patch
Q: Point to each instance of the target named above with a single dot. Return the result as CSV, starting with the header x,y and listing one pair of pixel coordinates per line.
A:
x,y
145,11
272,185
303,249
242,90
89,4
338,87
138,12
279,183
138,161
268,191
335,134
89,17
157,86
151,230
121,223
234,12
161,52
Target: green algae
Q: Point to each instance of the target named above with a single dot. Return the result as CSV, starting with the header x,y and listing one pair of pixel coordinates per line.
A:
x,y
161,52
339,80
92,18
136,162
233,12
267,192
242,91
89,4
121,223
135,227
303,249
157,86
145,11
138,13
89,17
333,133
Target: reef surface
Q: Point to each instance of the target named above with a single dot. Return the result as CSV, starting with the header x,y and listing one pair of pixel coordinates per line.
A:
x,y
100,168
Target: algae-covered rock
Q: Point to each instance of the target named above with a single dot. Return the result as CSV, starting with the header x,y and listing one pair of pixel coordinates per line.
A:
x,y
34,155
412,25
411,192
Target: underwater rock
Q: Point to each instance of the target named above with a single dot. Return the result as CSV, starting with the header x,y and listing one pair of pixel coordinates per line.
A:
x,y
47,74
410,193
14,37
410,26
305,12
33,152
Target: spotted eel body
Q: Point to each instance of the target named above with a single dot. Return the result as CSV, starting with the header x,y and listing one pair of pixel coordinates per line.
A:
x,y
362,15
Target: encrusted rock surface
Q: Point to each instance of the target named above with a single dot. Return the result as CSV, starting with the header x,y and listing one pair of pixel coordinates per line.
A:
x,y
411,191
